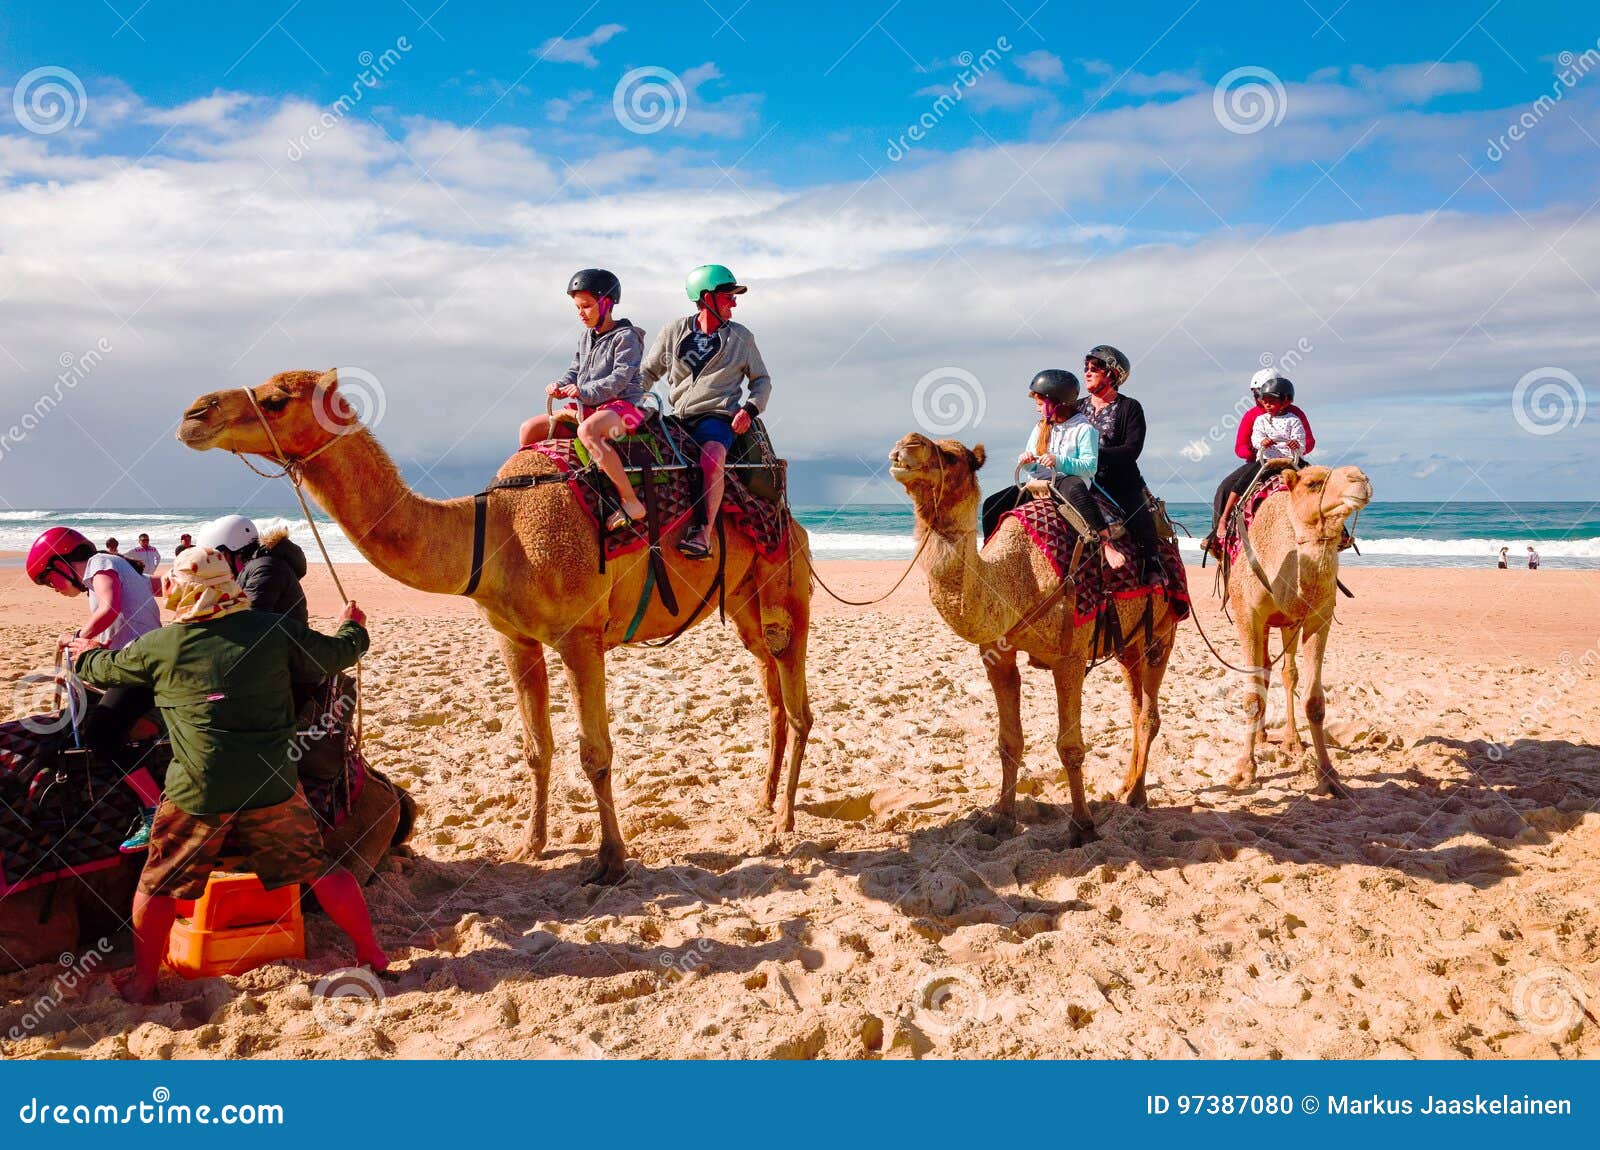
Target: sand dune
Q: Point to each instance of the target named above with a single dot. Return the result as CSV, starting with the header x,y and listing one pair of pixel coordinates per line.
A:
x,y
1446,911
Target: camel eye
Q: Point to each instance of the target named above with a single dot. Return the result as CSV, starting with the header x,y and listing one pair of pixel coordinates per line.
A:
x,y
275,403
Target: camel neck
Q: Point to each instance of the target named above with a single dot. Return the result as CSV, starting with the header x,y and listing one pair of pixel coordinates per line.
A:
x,y
959,584
423,543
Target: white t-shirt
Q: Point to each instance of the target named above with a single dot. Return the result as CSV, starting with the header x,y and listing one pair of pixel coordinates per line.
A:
x,y
1279,428
140,611
149,556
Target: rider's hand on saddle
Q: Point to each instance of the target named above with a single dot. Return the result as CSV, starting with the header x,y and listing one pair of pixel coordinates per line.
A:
x,y
1047,460
1025,458
79,645
741,423
553,389
353,614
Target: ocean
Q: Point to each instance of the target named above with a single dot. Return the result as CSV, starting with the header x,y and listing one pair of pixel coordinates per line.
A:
x,y
1566,535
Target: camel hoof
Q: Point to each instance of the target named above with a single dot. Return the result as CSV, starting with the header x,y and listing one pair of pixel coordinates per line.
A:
x,y
999,824
609,869
1083,833
530,850
1244,774
1136,798
1332,787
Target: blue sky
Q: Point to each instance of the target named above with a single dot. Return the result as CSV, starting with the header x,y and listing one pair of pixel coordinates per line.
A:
x,y
214,214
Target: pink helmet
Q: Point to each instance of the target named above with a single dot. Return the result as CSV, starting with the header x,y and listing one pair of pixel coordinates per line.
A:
x,y
54,550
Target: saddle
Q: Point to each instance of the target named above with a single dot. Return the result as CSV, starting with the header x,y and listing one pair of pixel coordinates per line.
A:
x,y
1095,585
65,812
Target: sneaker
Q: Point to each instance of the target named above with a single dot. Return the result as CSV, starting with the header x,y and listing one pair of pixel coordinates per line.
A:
x,y
140,838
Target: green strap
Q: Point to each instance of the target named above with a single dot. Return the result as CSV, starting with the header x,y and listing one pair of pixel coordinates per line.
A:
x,y
644,601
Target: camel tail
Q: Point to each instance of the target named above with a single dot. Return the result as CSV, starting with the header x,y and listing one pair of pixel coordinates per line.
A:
x,y
408,817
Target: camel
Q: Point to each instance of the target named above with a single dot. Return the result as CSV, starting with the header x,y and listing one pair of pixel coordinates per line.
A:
x,y
1295,536
43,922
1006,600
541,582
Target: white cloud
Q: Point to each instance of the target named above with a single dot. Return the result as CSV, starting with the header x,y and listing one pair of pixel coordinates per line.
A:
x,y
1042,67
579,49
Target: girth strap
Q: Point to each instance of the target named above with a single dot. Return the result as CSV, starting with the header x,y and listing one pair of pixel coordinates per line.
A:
x,y
480,508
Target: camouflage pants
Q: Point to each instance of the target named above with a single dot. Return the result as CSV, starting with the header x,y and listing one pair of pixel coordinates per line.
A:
x,y
282,844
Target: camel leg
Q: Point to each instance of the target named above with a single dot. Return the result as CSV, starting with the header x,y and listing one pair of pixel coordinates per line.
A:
x,y
530,676
746,614
1069,673
1006,681
585,661
1292,743
797,706
1328,781
1254,646
1144,687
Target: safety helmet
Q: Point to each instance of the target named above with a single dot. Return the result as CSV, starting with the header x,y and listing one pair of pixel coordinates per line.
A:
x,y
1114,360
232,533
1278,387
1055,384
1260,378
711,277
597,282
55,550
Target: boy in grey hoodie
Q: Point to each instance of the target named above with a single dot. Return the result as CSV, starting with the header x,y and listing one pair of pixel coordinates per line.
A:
x,y
604,379
716,382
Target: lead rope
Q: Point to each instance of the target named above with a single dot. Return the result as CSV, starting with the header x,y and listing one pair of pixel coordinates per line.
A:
x,y
910,567
291,471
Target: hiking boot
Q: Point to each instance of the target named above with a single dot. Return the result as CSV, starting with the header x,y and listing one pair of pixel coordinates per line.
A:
x,y
696,543
140,838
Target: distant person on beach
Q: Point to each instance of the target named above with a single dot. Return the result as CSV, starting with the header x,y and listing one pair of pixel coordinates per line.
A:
x,y
111,545
185,541
1061,454
1274,429
604,379
121,609
716,382
221,675
1504,551
145,555
1533,559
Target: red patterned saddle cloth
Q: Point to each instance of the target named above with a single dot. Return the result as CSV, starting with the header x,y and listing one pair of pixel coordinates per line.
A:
x,y
664,442
1097,585
61,816
1231,541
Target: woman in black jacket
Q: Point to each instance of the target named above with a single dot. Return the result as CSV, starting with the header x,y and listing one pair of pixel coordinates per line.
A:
x,y
1120,420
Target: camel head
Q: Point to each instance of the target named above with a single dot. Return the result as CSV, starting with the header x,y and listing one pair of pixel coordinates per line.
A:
x,y
1322,498
940,475
304,408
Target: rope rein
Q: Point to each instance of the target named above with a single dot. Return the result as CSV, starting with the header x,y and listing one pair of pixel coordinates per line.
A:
x,y
291,471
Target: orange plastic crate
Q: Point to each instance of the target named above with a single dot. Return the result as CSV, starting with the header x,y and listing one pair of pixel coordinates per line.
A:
x,y
235,926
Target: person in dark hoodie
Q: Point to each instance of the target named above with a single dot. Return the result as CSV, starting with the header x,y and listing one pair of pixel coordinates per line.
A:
x,y
268,567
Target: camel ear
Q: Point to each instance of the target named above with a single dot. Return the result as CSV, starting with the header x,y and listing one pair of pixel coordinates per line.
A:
x,y
976,456
1290,477
328,380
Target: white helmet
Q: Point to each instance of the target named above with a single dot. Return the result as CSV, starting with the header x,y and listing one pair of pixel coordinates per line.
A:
x,y
233,533
1263,377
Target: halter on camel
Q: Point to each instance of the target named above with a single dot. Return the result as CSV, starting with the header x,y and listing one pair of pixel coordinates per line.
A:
x,y
290,469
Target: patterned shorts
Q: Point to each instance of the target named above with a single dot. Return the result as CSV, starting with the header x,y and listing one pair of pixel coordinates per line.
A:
x,y
282,844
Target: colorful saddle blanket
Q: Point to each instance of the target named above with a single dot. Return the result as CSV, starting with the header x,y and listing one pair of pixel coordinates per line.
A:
x,y
1096,585
68,815
664,442
1231,540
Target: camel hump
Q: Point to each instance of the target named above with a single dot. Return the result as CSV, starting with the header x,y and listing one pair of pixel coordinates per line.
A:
x,y
528,461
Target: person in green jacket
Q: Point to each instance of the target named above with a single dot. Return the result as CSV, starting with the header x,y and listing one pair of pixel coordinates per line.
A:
x,y
221,674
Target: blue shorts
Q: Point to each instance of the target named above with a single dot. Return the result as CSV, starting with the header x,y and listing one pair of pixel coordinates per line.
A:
x,y
712,429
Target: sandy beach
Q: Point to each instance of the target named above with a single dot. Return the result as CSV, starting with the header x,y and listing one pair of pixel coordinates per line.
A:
x,y
1447,911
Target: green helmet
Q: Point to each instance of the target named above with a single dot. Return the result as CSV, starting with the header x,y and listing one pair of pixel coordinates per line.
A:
x,y
711,277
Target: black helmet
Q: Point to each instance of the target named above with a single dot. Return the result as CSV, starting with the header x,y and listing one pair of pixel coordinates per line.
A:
x,y
1112,358
1055,384
1279,388
597,282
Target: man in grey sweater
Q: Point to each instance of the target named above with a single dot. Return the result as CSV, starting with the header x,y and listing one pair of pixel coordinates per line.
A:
x,y
716,383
